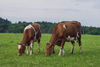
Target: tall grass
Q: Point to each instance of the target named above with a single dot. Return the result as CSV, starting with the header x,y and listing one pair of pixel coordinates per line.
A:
x,y
89,58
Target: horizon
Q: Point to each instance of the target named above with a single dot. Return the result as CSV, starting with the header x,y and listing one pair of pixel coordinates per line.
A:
x,y
48,21
42,21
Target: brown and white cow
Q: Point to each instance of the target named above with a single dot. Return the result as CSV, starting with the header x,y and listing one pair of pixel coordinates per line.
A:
x,y
65,31
32,33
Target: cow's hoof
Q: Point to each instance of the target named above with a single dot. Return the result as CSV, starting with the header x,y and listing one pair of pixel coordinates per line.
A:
x,y
71,52
27,53
39,51
59,55
80,52
63,54
53,52
30,53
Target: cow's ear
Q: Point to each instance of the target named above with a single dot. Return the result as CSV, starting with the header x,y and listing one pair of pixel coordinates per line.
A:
x,y
47,43
18,43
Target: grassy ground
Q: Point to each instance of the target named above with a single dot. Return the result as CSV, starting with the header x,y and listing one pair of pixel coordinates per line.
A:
x,y
89,58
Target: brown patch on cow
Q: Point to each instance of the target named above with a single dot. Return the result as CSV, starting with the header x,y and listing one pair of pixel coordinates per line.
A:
x,y
21,50
49,49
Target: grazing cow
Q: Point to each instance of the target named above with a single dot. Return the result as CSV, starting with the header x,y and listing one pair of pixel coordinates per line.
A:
x,y
32,33
65,31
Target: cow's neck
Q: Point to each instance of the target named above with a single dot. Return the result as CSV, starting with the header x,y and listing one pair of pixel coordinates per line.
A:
x,y
24,40
53,39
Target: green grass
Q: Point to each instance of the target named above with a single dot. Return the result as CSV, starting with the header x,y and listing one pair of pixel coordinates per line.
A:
x,y
89,58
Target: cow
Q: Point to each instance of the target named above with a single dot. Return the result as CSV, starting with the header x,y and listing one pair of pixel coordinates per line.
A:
x,y
32,33
65,31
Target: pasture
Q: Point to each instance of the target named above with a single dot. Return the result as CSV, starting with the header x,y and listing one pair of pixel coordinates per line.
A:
x,y
89,58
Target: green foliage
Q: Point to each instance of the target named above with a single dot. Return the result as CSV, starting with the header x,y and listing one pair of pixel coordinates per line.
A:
x,y
46,27
3,21
89,58
90,30
3,28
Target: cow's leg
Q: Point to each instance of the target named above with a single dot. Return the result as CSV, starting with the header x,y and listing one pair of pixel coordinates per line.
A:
x,y
73,43
27,49
61,48
80,45
39,45
31,48
80,50
60,51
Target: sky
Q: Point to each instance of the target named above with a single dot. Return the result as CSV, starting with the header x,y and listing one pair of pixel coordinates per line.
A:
x,y
87,12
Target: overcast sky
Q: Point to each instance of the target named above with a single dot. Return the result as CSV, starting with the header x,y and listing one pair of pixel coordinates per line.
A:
x,y
87,12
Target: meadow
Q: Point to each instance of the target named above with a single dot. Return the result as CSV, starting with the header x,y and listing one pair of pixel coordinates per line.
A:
x,y
89,58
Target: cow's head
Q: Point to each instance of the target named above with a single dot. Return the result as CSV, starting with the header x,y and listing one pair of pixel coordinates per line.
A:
x,y
49,49
21,49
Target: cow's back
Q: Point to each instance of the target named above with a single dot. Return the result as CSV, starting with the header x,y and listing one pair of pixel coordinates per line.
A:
x,y
32,31
36,26
75,23
37,30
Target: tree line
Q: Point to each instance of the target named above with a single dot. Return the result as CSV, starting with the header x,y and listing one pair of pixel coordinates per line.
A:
x,y
7,26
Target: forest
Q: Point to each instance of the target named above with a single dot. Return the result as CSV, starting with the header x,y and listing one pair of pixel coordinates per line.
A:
x,y
7,26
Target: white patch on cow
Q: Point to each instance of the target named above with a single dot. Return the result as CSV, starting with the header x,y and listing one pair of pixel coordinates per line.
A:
x,y
35,37
64,26
31,48
31,45
60,52
19,46
77,34
29,27
70,38
34,29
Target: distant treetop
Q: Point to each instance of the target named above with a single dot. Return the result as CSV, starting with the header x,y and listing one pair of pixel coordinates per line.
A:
x,y
4,21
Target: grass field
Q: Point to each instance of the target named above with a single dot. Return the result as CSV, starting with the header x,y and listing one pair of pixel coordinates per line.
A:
x,y
89,58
